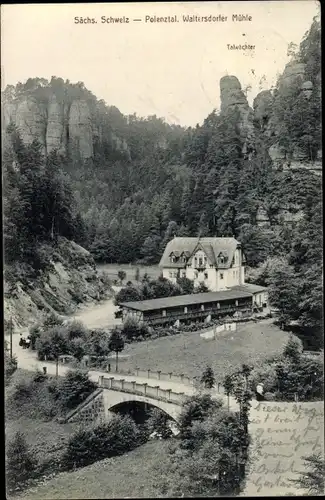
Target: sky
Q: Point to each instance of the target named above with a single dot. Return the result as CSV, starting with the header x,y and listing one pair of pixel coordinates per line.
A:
x,y
171,70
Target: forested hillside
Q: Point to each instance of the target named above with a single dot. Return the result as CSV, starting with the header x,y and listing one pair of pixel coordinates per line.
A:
x,y
122,186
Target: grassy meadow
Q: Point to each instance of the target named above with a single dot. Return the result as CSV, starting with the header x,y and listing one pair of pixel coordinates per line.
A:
x,y
111,271
188,353
133,475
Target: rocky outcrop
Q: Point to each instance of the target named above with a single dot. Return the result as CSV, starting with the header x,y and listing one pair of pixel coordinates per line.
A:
x,y
56,121
59,124
8,112
293,72
69,278
31,121
80,129
231,97
231,93
262,106
119,144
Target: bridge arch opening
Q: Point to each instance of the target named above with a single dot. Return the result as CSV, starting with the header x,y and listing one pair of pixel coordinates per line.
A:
x,y
138,410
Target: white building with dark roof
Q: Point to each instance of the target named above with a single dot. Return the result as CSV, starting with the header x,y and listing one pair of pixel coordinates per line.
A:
x,y
216,262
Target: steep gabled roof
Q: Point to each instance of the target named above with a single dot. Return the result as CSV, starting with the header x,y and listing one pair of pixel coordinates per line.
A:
x,y
211,246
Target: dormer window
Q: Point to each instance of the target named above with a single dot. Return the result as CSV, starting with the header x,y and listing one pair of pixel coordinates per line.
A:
x,y
172,258
200,261
222,259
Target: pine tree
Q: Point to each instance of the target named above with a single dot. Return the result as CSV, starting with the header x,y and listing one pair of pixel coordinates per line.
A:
x,y
208,378
20,463
312,479
116,344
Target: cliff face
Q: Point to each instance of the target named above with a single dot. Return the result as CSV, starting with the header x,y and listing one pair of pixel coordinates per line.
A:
x,y
80,130
231,97
30,119
71,278
286,121
59,121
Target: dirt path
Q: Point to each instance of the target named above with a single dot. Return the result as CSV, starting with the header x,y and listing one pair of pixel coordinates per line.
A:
x,y
99,316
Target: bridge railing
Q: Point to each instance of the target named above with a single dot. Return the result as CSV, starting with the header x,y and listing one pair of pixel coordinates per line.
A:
x,y
144,389
168,377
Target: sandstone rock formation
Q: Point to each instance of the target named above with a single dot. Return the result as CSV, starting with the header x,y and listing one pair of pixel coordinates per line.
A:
x,y
55,132
232,96
262,106
80,129
30,119
294,71
57,123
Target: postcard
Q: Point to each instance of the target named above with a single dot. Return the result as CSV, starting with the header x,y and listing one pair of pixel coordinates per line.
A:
x,y
163,272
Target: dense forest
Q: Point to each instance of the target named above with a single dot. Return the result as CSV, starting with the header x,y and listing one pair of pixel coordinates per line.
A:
x,y
140,181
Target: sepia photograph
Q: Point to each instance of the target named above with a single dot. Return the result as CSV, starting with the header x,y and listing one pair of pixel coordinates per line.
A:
x,y
162,249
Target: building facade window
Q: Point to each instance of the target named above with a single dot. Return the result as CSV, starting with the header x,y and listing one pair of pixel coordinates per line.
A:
x,y
183,274
164,312
236,302
171,274
196,274
200,261
202,307
185,309
218,305
206,276
221,276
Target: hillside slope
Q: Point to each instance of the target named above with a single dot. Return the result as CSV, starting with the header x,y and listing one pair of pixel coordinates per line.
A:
x,y
68,277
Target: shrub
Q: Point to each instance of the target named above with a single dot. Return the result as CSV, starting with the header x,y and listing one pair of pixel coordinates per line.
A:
x,y
39,377
291,373
73,389
101,441
266,375
77,348
97,343
20,463
196,407
52,320
30,396
159,422
52,343
133,329
76,330
209,467
293,349
10,366
34,333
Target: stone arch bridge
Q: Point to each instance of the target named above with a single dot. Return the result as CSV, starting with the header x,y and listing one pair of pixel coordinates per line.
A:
x,y
114,394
